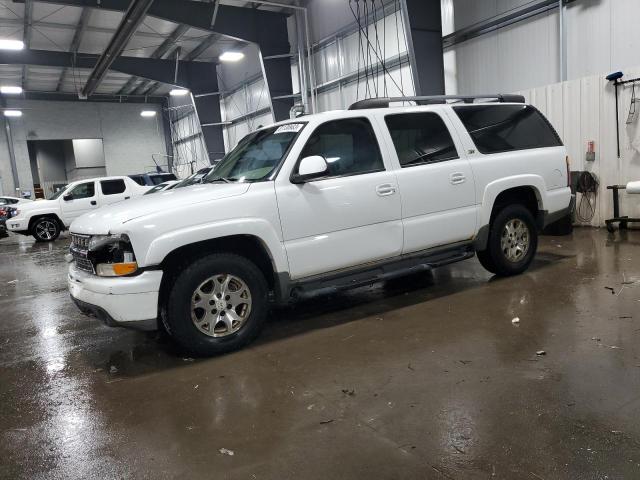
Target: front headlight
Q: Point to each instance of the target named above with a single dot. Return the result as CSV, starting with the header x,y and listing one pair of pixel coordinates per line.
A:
x,y
112,255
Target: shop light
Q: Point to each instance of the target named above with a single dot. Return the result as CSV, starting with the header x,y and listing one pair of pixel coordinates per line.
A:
x,y
10,90
178,92
12,113
6,44
231,56
148,113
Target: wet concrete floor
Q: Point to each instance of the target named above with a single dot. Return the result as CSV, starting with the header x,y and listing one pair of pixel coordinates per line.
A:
x,y
425,377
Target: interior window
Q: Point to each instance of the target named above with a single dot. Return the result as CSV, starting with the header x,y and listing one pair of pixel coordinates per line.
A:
x,y
349,147
420,138
112,187
84,190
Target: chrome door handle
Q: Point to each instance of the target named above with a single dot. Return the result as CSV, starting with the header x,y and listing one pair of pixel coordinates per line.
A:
x,y
457,178
385,189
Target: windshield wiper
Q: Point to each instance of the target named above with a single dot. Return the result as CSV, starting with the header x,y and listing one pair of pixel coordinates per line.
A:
x,y
223,179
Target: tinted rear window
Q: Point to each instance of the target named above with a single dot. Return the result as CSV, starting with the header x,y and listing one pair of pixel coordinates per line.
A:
x,y
503,128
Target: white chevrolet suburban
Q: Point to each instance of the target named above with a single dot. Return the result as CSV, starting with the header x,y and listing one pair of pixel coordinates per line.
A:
x,y
321,203
45,219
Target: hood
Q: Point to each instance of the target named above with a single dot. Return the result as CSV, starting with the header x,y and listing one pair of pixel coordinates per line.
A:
x,y
105,219
37,205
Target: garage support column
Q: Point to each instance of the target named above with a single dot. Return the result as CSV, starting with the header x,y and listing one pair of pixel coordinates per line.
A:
x,y
11,150
423,25
202,80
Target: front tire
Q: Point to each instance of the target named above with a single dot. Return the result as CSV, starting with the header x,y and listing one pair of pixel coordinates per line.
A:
x,y
217,304
512,243
45,229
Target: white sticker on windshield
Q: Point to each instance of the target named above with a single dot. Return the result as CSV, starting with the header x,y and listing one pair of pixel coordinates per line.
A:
x,y
289,127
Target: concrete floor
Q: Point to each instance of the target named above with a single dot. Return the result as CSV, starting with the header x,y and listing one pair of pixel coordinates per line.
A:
x,y
426,377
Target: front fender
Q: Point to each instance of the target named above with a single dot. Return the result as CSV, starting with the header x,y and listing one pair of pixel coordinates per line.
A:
x,y
161,246
495,188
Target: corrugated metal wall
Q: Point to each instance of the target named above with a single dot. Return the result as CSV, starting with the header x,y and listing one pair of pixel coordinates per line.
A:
x,y
583,110
337,61
602,36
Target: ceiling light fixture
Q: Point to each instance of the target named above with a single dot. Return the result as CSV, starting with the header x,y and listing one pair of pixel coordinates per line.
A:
x,y
12,113
148,113
10,90
231,56
178,92
6,44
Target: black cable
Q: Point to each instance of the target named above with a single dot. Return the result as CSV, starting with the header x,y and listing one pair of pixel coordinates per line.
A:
x,y
378,48
357,19
587,186
396,13
379,59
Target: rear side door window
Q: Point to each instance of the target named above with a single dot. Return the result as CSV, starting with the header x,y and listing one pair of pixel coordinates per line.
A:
x,y
420,138
112,187
349,146
504,128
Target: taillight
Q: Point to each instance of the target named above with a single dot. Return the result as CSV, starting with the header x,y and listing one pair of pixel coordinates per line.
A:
x,y
568,172
3,212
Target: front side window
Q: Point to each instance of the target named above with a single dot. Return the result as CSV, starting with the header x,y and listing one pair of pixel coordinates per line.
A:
x,y
503,128
112,187
349,147
257,156
83,190
420,138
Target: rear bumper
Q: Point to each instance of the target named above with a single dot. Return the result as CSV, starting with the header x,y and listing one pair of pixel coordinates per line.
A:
x,y
124,302
562,212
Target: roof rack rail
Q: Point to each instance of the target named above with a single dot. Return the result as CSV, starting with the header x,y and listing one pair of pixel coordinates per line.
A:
x,y
384,102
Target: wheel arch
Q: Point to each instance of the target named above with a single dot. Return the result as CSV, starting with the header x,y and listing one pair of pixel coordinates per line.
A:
x,y
508,192
53,216
247,246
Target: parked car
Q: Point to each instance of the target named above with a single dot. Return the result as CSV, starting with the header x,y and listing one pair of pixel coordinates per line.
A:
x,y
322,203
161,187
5,214
45,219
12,200
152,179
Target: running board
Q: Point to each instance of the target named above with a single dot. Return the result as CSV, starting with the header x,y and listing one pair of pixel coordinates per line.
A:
x,y
379,272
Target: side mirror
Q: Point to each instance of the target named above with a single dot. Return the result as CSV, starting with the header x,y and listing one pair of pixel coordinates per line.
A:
x,y
311,167
68,197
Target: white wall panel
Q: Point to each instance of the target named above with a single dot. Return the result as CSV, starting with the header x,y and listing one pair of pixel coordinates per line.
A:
x,y
583,110
601,36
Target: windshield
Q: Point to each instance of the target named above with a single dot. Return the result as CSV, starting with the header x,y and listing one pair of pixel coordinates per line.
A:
x,y
57,194
257,155
193,178
156,188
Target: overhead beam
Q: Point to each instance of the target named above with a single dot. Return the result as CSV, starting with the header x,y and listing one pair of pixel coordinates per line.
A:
x,y
247,24
502,20
81,28
158,53
130,22
150,68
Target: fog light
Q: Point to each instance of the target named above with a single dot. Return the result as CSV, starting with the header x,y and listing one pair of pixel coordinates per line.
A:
x,y
116,269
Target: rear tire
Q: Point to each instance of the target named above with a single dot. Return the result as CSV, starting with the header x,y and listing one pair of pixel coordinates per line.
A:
x,y
217,304
45,229
512,242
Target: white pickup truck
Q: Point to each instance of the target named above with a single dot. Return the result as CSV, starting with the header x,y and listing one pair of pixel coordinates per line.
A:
x,y
45,219
322,203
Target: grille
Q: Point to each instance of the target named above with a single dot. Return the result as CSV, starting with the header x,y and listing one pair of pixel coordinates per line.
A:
x,y
79,248
80,242
83,263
